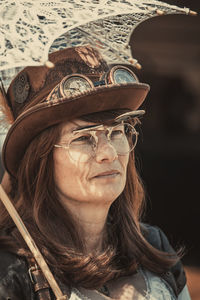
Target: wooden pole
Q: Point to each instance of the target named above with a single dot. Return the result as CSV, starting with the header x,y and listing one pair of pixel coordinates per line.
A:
x,y
31,244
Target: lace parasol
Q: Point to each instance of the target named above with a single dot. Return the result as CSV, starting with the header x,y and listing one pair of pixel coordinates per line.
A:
x,y
29,29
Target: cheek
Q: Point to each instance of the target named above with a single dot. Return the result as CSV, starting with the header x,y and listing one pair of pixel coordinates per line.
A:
x,y
69,177
124,163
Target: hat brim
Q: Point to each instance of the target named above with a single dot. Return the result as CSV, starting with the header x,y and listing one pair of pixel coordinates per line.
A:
x,y
43,115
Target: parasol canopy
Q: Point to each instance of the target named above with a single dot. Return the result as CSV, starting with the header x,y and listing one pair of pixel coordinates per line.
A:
x,y
29,29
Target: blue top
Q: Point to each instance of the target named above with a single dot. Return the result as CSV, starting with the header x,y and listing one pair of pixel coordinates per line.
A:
x,y
156,288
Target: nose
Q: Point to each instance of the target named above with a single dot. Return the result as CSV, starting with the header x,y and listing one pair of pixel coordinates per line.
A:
x,y
105,151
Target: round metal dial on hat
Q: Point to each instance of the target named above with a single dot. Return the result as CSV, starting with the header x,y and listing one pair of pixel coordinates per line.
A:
x,y
124,76
75,84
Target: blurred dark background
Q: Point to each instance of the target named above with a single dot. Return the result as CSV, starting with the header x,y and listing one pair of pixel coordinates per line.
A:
x,y
168,154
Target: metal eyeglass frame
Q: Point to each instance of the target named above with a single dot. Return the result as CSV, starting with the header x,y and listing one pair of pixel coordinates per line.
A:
x,y
93,131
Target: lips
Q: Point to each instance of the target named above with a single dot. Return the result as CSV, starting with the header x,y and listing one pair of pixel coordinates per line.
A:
x,y
107,173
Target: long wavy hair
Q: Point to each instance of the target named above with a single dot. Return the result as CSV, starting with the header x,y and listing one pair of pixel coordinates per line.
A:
x,y
56,233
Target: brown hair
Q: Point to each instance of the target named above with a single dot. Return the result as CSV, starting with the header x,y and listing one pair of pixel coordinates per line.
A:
x,y
56,233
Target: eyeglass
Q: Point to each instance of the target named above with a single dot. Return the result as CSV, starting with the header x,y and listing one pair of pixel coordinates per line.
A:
x,y
79,83
83,144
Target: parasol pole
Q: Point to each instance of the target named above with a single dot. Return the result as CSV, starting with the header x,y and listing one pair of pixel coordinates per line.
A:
x,y
31,244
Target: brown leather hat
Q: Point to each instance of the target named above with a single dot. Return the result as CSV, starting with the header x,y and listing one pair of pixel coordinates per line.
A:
x,y
40,97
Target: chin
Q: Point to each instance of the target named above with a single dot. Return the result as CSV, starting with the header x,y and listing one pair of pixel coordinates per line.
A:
x,y
106,197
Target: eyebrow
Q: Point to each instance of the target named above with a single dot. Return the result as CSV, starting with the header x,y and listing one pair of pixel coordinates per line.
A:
x,y
86,127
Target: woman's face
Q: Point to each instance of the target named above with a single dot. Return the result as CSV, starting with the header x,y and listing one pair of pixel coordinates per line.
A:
x,y
99,180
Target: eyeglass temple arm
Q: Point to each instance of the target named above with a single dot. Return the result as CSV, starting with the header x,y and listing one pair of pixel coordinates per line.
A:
x,y
61,146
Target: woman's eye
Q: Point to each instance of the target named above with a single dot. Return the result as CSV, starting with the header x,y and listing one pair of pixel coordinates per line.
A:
x,y
82,139
117,133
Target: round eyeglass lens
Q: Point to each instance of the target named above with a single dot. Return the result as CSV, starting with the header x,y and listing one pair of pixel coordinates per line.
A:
x,y
123,76
123,138
81,147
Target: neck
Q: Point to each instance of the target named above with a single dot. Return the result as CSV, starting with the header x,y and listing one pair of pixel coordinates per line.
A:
x,y
91,220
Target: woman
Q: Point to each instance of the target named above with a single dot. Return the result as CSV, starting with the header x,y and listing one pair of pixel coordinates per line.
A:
x,y
69,156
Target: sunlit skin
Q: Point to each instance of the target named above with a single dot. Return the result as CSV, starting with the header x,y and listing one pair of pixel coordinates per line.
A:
x,y
83,189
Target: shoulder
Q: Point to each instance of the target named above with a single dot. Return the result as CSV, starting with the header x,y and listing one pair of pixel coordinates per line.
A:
x,y
14,279
156,237
9,261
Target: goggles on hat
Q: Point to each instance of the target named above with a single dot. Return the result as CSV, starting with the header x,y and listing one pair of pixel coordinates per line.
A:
x,y
74,84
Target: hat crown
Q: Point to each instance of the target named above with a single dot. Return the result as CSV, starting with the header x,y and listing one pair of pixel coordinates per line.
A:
x,y
33,84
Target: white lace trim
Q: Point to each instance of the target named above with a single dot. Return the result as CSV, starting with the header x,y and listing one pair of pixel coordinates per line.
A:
x,y
157,289
77,295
